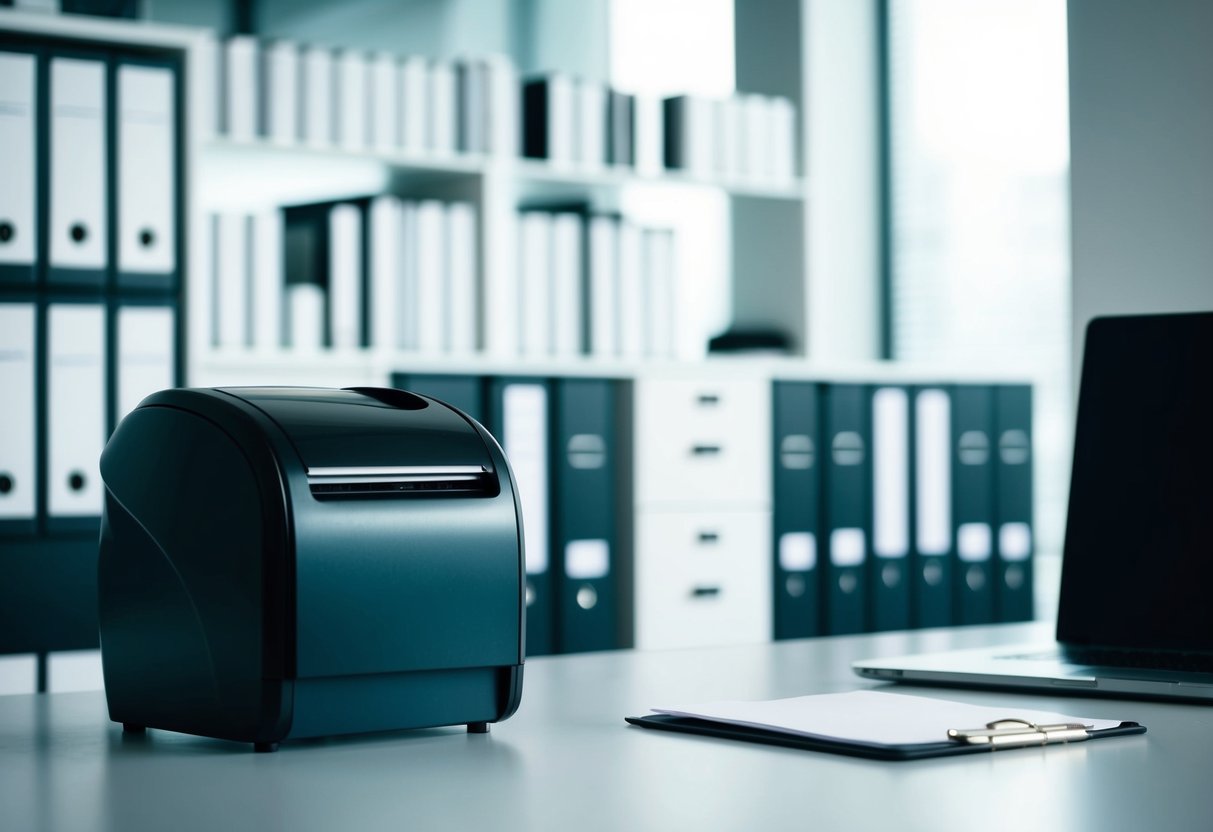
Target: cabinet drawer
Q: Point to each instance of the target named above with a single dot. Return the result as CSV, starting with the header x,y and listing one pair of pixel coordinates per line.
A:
x,y
702,578
703,440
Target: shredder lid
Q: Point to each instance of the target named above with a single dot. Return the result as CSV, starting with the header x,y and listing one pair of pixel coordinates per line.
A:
x,y
371,428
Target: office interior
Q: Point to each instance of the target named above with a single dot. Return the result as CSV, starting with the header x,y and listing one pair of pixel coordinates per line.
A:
x,y
824,205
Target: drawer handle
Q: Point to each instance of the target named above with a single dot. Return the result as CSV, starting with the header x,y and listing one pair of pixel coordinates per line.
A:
x,y
705,592
705,450
709,537
708,399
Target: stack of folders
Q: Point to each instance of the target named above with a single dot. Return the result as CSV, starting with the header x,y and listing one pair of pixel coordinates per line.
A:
x,y
576,122
901,506
381,272
90,203
589,285
562,437
295,94
745,138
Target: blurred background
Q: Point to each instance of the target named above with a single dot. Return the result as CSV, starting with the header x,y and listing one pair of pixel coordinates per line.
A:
x,y
687,202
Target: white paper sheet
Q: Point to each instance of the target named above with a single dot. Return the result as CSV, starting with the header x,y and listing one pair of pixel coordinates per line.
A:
x,y
870,716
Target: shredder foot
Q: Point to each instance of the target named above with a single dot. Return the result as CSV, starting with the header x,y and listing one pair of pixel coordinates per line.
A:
x,y
132,728
265,747
478,727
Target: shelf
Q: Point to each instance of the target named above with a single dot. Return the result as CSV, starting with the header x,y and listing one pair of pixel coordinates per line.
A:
x,y
228,166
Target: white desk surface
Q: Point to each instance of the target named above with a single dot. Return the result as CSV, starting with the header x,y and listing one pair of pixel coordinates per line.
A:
x,y
567,760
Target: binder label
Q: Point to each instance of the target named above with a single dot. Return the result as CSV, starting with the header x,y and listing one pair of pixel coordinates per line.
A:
x,y
847,547
587,560
797,551
1015,541
973,542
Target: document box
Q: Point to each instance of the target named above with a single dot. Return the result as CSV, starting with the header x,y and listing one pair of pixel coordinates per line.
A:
x,y
279,563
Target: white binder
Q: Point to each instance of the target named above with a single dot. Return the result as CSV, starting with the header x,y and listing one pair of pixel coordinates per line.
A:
x,y
18,165
385,100
933,472
414,104
305,317
147,181
280,92
604,286
631,291
758,138
535,278
268,278
345,276
503,105
443,113
890,472
386,218
566,284
660,330
502,305
408,300
431,277
352,92
591,124
240,87
76,359
525,438
781,118
231,262
146,354
316,96
18,417
78,224
562,120
463,299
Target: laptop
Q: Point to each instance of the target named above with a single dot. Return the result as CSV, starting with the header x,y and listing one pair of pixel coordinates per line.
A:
x,y
1135,615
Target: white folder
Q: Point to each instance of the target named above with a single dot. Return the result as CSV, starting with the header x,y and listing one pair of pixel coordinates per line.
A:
x,y
305,317
147,181
933,472
502,305
535,283
463,298
232,291
562,120
18,164
443,113
316,96
759,164
890,472
146,354
781,120
240,87
504,103
700,136
649,151
631,291
525,439
408,300
431,277
352,91
591,126
660,335
76,359
280,92
386,269
414,104
604,286
566,284
268,278
79,149
384,102
18,419
345,276
732,138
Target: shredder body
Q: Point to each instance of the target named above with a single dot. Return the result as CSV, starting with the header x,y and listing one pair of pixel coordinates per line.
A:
x,y
279,563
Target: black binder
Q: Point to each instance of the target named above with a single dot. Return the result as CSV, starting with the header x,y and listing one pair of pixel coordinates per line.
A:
x,y
585,537
796,463
931,465
524,435
888,569
1013,487
973,502
674,126
845,508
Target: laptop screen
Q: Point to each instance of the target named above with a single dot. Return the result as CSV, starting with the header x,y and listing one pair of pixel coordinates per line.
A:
x,y
1138,564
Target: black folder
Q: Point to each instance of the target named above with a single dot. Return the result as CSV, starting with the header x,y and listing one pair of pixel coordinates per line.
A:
x,y
1013,487
797,465
973,502
845,505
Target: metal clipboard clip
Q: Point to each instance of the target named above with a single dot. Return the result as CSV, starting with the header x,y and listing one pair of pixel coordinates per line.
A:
x,y
1012,732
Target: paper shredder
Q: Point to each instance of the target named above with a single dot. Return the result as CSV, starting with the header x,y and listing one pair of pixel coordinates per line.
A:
x,y
279,563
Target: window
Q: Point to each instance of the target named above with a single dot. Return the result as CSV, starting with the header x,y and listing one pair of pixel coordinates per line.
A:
x,y
979,259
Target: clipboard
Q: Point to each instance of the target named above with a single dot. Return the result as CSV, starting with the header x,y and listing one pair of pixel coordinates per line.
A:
x,y
797,725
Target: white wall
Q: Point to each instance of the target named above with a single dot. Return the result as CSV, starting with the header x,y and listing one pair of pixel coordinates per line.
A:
x,y
1141,140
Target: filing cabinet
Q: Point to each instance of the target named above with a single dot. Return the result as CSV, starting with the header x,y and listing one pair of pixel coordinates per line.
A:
x,y
702,511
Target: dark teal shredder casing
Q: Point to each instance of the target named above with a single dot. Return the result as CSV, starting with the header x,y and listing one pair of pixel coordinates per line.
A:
x,y
279,563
